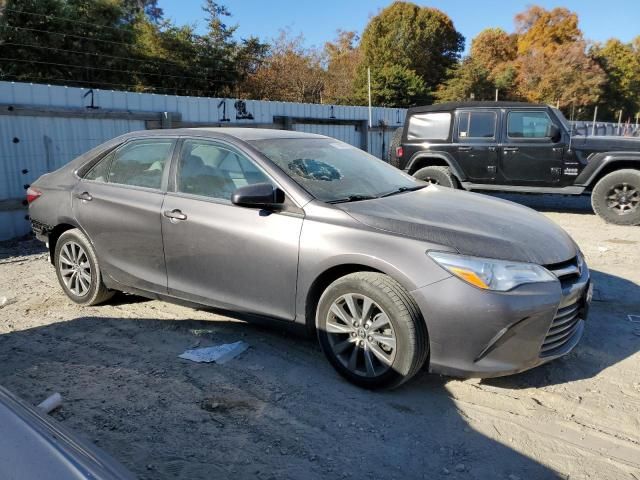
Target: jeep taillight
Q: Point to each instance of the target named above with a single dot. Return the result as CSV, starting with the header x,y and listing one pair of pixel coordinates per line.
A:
x,y
399,152
33,194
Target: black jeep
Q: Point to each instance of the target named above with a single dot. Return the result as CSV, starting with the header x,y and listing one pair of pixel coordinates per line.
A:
x,y
519,147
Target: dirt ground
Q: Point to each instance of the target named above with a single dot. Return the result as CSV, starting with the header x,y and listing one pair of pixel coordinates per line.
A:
x,y
279,410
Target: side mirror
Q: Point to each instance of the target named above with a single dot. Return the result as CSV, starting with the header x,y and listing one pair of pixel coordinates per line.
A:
x,y
554,133
258,195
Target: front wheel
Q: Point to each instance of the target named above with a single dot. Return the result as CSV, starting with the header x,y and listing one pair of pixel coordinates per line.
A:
x,y
78,270
371,330
616,197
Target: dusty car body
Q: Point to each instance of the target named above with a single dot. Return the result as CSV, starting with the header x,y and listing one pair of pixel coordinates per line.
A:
x,y
393,274
33,446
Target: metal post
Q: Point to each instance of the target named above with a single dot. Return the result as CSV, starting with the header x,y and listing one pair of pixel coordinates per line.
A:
x,y
496,94
637,118
595,116
369,87
619,121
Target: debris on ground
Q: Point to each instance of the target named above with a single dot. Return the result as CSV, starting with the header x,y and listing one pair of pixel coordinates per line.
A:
x,y
219,354
50,403
5,301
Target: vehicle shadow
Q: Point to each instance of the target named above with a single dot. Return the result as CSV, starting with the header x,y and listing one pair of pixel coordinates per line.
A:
x,y
277,411
609,338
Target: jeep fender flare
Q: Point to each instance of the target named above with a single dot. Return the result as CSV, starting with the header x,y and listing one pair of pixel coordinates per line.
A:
x,y
447,158
606,161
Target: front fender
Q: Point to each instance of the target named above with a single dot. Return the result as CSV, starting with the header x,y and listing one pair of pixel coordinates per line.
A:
x,y
603,160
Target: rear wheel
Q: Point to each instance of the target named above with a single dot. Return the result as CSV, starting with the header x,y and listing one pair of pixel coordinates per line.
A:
x,y
437,175
78,270
616,197
371,330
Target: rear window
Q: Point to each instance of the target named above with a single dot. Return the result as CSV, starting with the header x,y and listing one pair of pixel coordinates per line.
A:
x,y
477,125
429,126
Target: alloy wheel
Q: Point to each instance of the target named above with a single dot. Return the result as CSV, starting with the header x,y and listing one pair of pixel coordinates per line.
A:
x,y
361,335
75,268
623,199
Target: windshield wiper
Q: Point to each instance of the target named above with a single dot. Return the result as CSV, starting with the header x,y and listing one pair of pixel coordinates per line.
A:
x,y
402,190
352,198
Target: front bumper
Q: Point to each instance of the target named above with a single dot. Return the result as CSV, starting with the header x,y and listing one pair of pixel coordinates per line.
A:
x,y
480,333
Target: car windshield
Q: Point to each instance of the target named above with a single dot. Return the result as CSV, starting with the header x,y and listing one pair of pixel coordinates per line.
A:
x,y
333,171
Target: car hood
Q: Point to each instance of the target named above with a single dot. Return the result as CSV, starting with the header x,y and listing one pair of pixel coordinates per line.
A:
x,y
471,223
607,143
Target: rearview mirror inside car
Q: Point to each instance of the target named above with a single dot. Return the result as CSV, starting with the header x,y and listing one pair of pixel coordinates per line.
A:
x,y
258,195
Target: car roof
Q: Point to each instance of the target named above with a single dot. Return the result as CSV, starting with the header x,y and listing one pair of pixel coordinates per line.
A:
x,y
447,106
246,134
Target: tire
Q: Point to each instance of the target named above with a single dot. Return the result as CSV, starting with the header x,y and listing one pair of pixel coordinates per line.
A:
x,y
437,175
74,257
396,140
616,197
393,330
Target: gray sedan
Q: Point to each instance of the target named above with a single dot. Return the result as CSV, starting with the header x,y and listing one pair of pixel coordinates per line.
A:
x,y
391,273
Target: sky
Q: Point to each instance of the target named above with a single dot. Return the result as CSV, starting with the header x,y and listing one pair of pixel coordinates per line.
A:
x,y
318,20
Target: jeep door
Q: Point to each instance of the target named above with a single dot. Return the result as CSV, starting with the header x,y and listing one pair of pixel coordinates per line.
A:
x,y
529,156
475,135
221,254
117,203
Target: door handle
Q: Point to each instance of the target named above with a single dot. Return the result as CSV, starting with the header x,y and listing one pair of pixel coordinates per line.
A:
x,y
492,149
86,196
465,149
510,149
174,214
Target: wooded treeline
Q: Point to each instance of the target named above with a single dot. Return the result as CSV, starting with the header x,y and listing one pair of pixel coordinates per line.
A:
x,y
414,53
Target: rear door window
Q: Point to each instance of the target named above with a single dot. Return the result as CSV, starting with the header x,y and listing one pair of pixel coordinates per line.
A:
x,y
477,125
141,163
429,126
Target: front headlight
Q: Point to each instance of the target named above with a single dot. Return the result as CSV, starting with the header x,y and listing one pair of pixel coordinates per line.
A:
x,y
490,274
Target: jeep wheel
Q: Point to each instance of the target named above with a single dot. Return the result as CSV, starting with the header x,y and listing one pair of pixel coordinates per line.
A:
x,y
436,175
616,197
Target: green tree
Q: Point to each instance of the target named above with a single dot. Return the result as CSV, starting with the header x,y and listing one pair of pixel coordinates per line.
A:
x,y
469,79
405,41
621,64
122,44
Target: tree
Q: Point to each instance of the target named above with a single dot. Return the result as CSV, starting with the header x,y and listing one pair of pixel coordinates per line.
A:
x,y
469,78
566,75
290,73
552,64
343,59
548,30
392,86
493,47
122,44
621,64
414,39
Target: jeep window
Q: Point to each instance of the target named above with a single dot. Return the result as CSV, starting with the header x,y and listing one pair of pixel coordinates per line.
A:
x,y
429,126
534,125
477,125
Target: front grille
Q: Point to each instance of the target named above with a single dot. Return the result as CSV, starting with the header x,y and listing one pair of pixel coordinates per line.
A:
x,y
562,329
565,270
